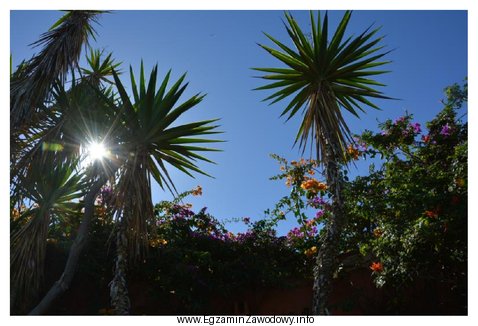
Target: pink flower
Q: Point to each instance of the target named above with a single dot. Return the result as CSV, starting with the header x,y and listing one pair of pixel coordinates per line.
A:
x,y
445,130
319,214
416,127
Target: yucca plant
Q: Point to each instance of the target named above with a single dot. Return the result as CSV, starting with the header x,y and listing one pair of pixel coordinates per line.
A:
x,y
322,77
149,138
53,131
71,118
99,68
34,122
141,136
52,192
53,123
61,49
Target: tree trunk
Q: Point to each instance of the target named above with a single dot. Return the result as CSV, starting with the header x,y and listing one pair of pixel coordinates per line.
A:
x,y
64,282
118,286
326,262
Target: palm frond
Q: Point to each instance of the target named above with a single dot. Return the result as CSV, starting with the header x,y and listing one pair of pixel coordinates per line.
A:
x,y
150,137
76,116
322,77
99,68
61,48
50,191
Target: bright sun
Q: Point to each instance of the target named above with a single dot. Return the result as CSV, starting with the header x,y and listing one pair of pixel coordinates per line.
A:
x,y
96,151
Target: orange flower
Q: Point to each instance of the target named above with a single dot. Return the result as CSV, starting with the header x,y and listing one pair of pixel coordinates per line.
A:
x,y
197,191
310,223
311,251
377,232
313,185
353,152
157,242
305,185
311,172
322,186
294,163
282,168
376,267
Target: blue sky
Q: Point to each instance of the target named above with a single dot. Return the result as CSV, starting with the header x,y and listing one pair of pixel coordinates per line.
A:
x,y
218,50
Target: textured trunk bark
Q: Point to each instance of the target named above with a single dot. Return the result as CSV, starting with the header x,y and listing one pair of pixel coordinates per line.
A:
x,y
118,286
326,262
64,282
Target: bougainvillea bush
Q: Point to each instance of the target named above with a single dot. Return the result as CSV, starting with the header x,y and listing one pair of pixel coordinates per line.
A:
x,y
406,222
410,214
406,219
195,257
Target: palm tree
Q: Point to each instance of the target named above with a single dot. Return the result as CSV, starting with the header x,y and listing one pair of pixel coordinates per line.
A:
x,y
31,84
323,77
53,190
150,140
38,147
51,133
68,119
62,46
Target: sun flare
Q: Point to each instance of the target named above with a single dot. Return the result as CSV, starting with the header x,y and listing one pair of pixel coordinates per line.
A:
x,y
96,152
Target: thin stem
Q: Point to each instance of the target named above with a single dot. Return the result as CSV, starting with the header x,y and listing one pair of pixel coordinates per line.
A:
x,y
60,286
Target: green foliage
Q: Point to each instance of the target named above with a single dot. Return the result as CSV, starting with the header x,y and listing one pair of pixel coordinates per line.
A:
x,y
149,139
149,128
51,194
193,257
56,115
411,214
99,68
407,219
324,76
308,202
60,53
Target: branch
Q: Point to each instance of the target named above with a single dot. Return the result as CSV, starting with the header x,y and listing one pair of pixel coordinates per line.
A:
x,y
64,282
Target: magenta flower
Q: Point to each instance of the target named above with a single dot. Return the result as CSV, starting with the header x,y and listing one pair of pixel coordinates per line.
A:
x,y
362,146
416,127
317,201
445,130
